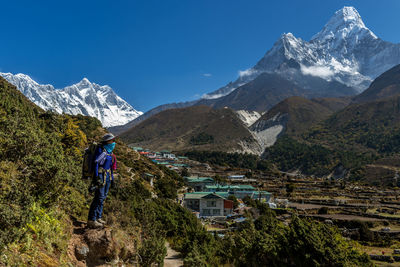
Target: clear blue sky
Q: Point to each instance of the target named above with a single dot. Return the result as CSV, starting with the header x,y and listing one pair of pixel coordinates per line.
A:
x,y
156,52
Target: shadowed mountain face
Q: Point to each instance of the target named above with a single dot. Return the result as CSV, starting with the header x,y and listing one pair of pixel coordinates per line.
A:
x,y
197,127
296,115
386,85
269,89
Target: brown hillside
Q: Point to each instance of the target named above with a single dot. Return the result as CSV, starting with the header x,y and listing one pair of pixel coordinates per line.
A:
x,y
299,114
386,85
197,127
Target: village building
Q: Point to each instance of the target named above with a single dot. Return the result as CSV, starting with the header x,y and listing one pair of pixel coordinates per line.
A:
x,y
235,177
167,154
209,204
199,183
240,191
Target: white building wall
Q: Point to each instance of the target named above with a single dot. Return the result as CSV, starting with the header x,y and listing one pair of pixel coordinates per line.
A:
x,y
219,206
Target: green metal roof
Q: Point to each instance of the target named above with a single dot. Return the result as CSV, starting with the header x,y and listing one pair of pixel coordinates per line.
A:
x,y
148,174
179,165
199,195
230,187
165,151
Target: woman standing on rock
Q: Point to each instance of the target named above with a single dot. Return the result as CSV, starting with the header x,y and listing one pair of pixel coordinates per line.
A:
x,y
105,164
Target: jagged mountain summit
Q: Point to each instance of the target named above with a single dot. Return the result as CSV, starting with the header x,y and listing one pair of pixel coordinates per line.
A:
x,y
84,98
345,51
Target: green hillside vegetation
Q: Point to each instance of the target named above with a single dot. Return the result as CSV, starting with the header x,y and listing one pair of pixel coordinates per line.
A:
x,y
371,127
289,154
42,194
235,160
197,128
353,137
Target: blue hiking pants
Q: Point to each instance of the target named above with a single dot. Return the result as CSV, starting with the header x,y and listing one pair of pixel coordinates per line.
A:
x,y
96,208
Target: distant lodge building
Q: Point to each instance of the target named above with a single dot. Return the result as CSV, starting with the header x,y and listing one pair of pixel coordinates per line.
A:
x,y
207,190
240,191
234,177
164,157
209,204
199,183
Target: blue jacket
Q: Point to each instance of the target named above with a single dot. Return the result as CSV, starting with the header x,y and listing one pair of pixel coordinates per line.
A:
x,y
107,163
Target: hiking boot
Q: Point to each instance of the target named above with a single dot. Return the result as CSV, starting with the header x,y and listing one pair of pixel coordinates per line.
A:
x,y
94,224
101,221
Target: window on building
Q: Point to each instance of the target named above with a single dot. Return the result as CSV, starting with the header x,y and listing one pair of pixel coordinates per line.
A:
x,y
211,203
206,212
216,212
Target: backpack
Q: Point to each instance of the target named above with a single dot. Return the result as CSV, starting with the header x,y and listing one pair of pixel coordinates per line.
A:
x,y
88,165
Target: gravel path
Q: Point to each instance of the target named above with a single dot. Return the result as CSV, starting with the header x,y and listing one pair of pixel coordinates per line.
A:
x,y
173,258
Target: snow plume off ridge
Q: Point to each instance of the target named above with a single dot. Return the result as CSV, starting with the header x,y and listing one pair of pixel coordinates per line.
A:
x,y
345,50
84,98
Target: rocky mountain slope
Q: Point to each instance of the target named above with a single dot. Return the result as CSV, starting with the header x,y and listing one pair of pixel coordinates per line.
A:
x,y
268,89
84,98
197,127
294,116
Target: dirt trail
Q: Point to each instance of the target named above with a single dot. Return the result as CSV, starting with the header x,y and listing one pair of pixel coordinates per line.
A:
x,y
76,240
173,257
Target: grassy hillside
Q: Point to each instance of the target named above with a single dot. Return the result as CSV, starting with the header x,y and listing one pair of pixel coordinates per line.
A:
x,y
198,128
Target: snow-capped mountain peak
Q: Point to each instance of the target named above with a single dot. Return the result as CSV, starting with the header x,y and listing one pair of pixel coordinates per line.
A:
x,y
344,51
84,98
345,23
347,14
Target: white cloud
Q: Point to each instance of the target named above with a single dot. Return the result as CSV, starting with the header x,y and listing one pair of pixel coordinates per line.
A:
x,y
318,71
207,74
207,96
247,72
